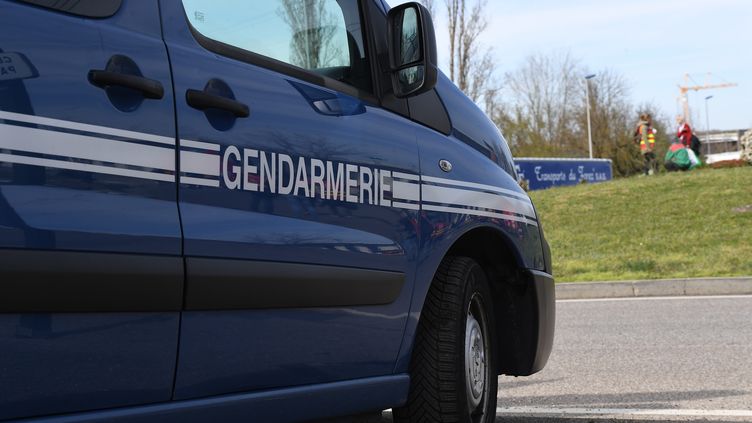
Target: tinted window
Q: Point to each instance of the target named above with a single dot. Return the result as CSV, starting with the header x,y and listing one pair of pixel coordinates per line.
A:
x,y
322,36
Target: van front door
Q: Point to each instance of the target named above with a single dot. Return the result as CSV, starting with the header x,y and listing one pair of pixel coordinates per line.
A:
x,y
299,197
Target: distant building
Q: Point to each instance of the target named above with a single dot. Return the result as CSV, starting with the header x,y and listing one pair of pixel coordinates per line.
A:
x,y
717,142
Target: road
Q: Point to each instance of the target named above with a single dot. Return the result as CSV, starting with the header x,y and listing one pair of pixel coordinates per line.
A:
x,y
640,360
681,354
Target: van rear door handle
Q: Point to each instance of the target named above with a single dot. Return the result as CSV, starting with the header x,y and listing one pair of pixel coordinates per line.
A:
x,y
149,88
202,100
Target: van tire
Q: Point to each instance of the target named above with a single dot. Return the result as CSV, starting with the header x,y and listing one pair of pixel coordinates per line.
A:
x,y
442,390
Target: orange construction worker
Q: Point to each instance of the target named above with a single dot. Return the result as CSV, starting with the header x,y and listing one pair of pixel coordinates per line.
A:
x,y
644,135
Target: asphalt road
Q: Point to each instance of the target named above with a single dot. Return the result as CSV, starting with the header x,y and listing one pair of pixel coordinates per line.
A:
x,y
681,353
640,360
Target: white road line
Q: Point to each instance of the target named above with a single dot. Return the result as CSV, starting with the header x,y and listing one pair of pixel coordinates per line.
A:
x,y
680,297
542,411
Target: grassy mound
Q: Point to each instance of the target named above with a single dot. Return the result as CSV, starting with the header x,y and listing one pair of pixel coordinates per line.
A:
x,y
693,224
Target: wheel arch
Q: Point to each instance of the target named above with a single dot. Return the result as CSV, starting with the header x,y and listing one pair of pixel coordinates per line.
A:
x,y
516,299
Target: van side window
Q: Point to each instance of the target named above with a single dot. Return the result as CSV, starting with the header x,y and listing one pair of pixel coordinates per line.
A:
x,y
321,36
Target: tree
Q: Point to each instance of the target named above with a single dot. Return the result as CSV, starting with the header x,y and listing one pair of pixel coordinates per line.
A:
x,y
544,94
313,30
545,113
613,123
471,66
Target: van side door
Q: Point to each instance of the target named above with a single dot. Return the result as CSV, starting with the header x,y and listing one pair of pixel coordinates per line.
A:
x,y
91,271
299,197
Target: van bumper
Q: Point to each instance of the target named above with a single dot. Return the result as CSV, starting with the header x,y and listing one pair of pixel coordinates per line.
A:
x,y
545,294
527,343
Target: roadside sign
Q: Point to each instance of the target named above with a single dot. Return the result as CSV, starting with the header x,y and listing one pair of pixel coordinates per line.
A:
x,y
541,173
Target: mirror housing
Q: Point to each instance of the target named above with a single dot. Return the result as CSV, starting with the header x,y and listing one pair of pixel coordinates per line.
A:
x,y
412,50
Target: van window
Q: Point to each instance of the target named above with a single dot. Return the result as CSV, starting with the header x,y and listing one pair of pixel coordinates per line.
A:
x,y
321,36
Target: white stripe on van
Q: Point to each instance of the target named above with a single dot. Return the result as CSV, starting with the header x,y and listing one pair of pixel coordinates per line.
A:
x,y
405,191
85,167
199,163
483,213
199,145
39,120
469,198
188,180
41,141
476,186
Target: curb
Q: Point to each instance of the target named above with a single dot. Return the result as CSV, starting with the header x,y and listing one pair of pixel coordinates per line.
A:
x,y
654,288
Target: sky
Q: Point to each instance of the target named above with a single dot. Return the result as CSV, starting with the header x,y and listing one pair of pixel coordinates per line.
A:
x,y
652,43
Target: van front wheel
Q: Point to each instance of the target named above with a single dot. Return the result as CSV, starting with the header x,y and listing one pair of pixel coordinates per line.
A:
x,y
453,366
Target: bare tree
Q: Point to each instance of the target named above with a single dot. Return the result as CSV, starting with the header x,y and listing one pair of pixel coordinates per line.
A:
x,y
544,92
453,12
467,49
545,113
313,33
471,66
613,122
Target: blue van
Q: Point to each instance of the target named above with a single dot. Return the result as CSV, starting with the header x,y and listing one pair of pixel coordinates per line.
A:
x,y
257,211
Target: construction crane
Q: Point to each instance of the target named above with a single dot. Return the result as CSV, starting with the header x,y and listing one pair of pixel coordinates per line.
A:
x,y
684,89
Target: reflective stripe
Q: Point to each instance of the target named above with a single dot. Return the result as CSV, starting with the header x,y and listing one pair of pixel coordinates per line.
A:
x,y
407,206
199,163
189,180
84,127
199,145
85,167
482,213
42,141
110,156
468,198
408,176
475,185
405,191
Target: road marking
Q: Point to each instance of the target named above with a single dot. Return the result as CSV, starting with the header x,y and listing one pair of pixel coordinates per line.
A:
x,y
539,411
681,297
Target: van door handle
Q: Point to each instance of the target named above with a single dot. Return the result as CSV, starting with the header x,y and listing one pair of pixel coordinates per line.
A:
x,y
202,100
149,88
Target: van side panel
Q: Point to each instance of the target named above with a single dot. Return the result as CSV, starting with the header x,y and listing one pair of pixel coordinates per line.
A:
x,y
478,192
87,210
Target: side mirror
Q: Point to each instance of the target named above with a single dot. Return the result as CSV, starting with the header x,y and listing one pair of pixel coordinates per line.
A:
x,y
412,50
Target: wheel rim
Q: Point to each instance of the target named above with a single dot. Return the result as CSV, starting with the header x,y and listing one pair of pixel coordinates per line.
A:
x,y
476,355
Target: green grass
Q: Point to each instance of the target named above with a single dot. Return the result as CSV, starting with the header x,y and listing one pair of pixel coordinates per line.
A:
x,y
666,226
